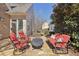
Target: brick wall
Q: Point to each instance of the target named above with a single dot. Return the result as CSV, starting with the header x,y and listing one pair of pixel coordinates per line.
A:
x,y
4,25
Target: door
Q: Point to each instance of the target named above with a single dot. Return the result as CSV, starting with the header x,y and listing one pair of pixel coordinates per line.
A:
x,y
17,26
13,27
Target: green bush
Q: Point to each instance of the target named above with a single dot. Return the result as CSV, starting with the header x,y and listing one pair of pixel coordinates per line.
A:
x,y
75,40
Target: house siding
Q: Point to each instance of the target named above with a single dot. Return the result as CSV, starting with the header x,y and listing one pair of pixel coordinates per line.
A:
x,y
5,23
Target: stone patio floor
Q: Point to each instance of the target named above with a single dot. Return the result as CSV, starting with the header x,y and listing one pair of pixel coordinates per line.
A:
x,y
45,51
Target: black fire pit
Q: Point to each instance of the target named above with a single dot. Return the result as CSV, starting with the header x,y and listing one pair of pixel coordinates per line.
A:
x,y
37,43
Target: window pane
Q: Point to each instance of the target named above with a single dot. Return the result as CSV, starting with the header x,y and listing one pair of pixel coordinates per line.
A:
x,y
20,25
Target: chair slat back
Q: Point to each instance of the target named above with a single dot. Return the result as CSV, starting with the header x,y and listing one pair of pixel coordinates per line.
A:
x,y
22,35
13,38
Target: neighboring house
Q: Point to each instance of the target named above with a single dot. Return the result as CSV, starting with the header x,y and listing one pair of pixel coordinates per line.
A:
x,y
45,25
51,27
45,28
38,24
16,16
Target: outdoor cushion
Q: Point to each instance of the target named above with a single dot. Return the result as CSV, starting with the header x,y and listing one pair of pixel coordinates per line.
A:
x,y
66,37
53,36
57,42
52,41
23,36
16,41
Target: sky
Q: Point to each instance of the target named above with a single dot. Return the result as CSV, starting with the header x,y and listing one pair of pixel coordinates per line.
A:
x,y
43,10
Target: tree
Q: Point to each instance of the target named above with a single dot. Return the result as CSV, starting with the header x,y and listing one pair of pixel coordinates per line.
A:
x,y
66,19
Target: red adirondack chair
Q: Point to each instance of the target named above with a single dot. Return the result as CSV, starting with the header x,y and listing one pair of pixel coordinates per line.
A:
x,y
63,42
24,36
17,44
53,40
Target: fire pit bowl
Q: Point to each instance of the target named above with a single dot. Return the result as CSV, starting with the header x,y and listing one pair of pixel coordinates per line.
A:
x,y
37,43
